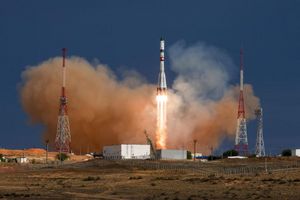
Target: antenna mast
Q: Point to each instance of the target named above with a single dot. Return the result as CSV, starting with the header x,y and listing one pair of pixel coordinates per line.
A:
x,y
260,145
63,134
241,140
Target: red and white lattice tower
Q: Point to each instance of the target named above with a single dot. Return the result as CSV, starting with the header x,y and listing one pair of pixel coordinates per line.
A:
x,y
63,134
241,140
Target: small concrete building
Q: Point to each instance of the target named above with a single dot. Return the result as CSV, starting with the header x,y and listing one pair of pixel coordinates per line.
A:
x,y
197,156
296,152
22,160
126,151
171,154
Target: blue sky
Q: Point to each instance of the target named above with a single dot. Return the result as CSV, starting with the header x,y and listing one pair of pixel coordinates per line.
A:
x,y
125,34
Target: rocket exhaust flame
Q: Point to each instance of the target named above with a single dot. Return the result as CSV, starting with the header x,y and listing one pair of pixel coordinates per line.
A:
x,y
161,101
161,132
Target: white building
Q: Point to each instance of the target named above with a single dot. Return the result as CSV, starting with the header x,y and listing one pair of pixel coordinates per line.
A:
x,y
296,152
22,160
198,155
171,154
127,151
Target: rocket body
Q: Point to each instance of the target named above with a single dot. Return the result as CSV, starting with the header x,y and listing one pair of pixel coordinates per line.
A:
x,y
161,100
162,82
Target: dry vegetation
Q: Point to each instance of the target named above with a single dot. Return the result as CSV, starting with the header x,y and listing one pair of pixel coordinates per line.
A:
x,y
100,179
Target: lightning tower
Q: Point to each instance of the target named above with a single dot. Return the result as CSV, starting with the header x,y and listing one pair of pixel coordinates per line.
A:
x,y
260,146
63,134
241,140
161,100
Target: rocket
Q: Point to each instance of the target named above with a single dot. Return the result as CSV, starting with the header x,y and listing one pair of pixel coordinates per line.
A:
x,y
161,98
162,82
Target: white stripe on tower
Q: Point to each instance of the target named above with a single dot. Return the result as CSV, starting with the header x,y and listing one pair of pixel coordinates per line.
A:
x,y
241,71
64,67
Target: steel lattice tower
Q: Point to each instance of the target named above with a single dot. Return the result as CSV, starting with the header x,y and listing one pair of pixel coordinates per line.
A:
x,y
241,140
260,146
63,134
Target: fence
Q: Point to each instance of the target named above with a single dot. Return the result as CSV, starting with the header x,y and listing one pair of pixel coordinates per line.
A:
x,y
212,168
202,168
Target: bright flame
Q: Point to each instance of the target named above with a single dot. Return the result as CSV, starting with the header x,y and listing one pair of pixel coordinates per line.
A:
x,y
161,132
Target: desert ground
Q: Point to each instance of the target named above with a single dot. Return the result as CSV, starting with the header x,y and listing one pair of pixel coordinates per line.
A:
x,y
271,178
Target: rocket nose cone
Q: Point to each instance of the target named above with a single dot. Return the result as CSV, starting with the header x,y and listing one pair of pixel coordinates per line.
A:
x,y
161,38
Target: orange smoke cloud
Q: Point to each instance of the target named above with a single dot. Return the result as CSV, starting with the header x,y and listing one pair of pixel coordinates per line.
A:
x,y
104,110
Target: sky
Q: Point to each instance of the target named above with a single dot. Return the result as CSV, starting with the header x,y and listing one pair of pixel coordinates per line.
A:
x,y
125,35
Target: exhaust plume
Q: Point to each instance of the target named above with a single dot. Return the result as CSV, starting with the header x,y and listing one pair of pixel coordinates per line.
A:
x,y
103,110
204,105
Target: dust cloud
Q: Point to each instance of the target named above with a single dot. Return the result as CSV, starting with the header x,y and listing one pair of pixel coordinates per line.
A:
x,y
104,110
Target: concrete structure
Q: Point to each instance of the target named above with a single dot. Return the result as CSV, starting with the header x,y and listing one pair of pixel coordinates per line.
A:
x,y
198,155
171,154
237,157
22,160
127,151
296,152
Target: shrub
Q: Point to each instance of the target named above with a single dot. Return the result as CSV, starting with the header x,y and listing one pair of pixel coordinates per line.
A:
x,y
91,178
211,157
62,156
188,155
252,156
286,152
230,152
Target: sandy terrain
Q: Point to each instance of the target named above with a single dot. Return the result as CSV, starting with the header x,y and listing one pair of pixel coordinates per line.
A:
x,y
39,155
100,179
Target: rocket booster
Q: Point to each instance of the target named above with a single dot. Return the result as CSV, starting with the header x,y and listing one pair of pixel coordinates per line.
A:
x,y
162,83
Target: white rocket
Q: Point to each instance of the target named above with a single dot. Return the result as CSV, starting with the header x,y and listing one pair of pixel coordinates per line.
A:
x,y
162,83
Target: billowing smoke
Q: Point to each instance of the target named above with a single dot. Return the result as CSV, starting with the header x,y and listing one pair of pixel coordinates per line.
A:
x,y
204,105
103,110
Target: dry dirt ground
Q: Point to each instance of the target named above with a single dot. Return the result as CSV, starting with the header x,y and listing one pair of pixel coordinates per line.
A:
x,y
100,179
38,155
